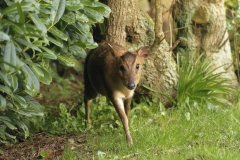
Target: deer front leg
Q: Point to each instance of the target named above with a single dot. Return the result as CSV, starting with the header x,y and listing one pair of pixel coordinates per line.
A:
x,y
127,106
119,106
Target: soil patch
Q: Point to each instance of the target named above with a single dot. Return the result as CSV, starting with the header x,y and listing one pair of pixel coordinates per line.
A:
x,y
45,146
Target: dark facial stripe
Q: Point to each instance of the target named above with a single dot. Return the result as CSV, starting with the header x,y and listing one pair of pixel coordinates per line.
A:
x,y
128,55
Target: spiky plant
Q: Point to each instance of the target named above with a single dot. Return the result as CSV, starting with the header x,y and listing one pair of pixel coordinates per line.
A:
x,y
199,83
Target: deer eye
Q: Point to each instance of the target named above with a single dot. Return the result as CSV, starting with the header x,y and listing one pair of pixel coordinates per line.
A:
x,y
122,68
137,66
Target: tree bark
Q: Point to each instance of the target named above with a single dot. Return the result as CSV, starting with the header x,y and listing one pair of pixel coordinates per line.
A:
x,y
116,23
204,23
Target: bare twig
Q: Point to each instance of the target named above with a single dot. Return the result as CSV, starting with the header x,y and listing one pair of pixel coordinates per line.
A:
x,y
158,25
229,35
175,45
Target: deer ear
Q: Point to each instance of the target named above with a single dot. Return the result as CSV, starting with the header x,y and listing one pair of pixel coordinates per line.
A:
x,y
116,49
143,51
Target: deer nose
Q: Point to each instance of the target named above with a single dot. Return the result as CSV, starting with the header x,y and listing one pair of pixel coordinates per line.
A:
x,y
131,85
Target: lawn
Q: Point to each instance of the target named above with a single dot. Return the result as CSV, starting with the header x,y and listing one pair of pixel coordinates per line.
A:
x,y
208,132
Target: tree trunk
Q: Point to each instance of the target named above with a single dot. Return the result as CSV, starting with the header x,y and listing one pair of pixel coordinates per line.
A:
x,y
137,28
204,23
116,23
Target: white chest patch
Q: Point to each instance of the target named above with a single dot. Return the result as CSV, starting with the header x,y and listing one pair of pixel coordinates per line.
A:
x,y
120,95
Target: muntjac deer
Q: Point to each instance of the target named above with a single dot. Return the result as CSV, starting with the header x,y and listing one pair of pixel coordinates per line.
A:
x,y
114,72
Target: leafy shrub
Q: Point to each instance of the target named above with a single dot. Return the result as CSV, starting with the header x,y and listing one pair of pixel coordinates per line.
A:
x,y
32,33
199,84
103,116
64,122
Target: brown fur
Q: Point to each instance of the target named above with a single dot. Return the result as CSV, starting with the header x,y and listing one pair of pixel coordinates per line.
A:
x,y
111,70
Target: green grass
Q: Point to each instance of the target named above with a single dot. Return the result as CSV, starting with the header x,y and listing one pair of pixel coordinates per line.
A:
x,y
207,135
69,154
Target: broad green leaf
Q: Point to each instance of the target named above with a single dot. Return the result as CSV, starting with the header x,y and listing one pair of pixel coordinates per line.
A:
x,y
31,83
4,36
47,55
78,65
56,42
30,110
9,105
20,64
9,135
91,45
81,17
22,112
92,15
4,78
77,51
47,78
66,60
58,33
74,5
37,70
20,100
19,28
20,13
10,57
10,9
69,18
57,12
23,126
83,27
26,6
8,123
91,19
105,13
14,82
34,104
3,103
37,21
76,29
60,10
33,31
88,3
5,118
5,89
49,52
33,112
27,44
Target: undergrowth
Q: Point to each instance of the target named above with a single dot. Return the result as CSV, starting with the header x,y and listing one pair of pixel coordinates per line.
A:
x,y
193,129
208,135
196,128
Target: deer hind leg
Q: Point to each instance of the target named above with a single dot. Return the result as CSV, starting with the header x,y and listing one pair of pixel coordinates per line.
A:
x,y
89,94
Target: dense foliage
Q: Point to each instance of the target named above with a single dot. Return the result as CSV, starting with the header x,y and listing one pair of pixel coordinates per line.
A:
x,y
200,84
32,34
